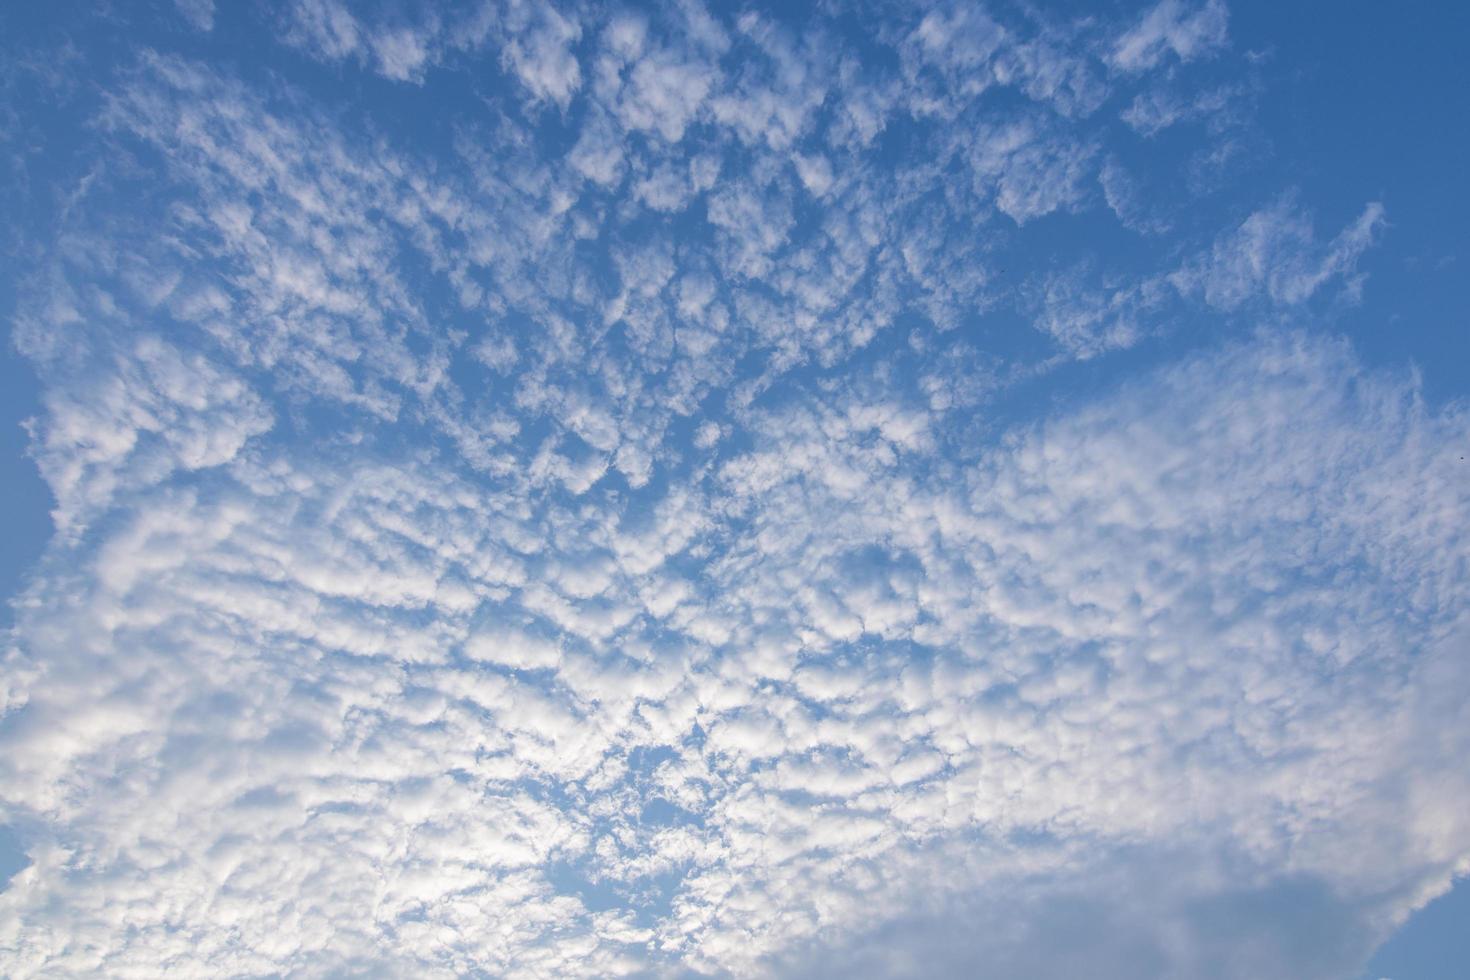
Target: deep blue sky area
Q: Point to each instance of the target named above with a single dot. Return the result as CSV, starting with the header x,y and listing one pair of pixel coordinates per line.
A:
x,y
1368,101
735,489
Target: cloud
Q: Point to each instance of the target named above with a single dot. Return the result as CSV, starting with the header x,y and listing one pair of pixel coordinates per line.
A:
x,y
285,661
1131,911
538,49
199,13
656,526
1153,111
325,28
1186,31
1274,252
1123,195
1031,173
1087,322
534,40
662,94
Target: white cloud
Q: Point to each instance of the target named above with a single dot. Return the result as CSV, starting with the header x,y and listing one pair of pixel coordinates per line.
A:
x,y
1155,110
598,154
1086,323
662,93
1031,173
1123,195
815,172
538,48
1275,252
601,543
1173,26
326,28
401,53
199,13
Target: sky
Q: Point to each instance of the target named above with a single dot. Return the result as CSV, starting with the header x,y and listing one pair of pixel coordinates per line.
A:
x,y
867,489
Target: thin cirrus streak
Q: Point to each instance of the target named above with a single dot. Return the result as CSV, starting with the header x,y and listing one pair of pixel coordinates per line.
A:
x,y
608,525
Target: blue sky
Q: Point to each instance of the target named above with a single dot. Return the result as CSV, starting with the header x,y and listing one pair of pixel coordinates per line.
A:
x,y
734,490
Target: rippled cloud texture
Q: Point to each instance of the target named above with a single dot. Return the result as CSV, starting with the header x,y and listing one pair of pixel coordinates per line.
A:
x,y
558,490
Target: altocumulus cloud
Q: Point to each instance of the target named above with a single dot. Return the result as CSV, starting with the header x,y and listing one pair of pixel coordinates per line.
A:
x,y
614,529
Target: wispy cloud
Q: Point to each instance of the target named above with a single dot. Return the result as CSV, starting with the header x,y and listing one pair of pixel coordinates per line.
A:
x,y
1187,31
